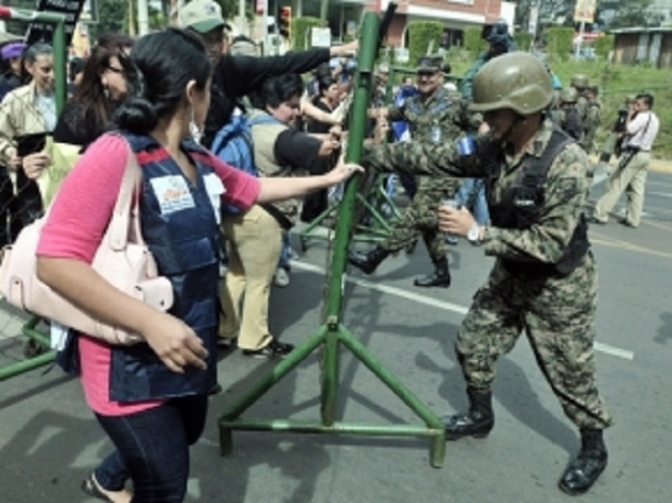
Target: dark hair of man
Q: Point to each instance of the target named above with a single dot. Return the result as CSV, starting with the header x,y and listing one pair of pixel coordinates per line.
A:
x,y
277,90
157,73
90,94
647,98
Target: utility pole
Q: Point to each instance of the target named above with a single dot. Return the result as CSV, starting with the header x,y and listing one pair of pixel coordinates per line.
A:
x,y
143,17
241,16
131,18
324,10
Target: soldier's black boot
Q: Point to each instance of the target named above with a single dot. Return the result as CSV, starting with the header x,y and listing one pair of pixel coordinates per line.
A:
x,y
440,276
477,422
368,262
585,469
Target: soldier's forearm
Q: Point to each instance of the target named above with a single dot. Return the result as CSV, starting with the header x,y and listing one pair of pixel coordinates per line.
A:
x,y
427,159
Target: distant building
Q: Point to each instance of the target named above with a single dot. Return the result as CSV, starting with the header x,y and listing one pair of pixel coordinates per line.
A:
x,y
643,45
345,15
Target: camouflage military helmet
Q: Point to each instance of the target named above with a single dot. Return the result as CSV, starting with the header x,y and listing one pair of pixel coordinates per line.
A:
x,y
516,80
569,95
579,81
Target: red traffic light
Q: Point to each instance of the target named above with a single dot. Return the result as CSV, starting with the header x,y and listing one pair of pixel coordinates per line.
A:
x,y
285,21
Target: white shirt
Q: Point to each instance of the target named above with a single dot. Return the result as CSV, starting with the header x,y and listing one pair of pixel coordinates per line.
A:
x,y
643,130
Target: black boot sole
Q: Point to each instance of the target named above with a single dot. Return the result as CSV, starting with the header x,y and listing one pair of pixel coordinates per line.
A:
x,y
479,435
433,285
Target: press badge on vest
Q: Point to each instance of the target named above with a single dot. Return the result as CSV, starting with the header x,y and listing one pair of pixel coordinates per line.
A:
x,y
215,188
172,193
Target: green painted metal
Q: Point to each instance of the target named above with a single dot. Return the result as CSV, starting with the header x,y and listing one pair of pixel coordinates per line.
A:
x,y
26,365
29,329
332,334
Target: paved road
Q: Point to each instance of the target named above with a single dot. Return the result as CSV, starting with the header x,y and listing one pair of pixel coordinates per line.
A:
x,y
49,441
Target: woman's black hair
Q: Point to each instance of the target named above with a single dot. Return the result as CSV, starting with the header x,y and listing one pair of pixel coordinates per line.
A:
x,y
276,90
157,73
324,83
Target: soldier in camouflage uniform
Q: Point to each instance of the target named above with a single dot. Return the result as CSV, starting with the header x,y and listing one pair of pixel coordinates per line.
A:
x,y
544,281
592,119
566,115
434,116
580,82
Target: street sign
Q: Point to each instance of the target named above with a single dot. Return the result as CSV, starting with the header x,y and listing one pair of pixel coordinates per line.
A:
x,y
320,37
584,12
43,32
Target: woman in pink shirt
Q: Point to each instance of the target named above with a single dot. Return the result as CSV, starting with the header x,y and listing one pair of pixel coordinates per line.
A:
x,y
151,399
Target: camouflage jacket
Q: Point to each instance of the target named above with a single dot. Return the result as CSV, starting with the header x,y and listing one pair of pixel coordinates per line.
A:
x,y
565,190
441,118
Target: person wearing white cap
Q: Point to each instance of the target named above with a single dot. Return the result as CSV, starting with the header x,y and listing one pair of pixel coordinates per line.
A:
x,y
237,76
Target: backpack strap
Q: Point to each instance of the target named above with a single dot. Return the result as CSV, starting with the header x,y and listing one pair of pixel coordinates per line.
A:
x,y
536,169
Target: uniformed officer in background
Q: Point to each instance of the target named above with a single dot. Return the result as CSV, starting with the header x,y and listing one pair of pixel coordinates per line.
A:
x,y
544,281
434,116
593,118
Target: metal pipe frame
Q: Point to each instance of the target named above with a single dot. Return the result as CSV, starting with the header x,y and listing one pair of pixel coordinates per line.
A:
x,y
332,334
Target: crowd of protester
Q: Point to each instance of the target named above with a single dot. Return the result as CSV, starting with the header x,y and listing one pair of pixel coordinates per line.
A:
x,y
175,94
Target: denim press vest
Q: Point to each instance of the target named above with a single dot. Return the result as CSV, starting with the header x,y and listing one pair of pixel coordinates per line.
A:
x,y
179,224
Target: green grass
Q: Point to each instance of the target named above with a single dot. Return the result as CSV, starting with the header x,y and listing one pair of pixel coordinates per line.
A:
x,y
616,82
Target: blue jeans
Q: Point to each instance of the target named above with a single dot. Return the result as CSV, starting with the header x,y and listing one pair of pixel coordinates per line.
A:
x,y
285,252
153,449
472,193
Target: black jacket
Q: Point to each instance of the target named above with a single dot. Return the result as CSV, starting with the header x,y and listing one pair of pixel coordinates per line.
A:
x,y
237,76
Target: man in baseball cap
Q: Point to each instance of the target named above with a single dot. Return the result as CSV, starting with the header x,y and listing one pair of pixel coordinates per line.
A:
x,y
202,16
429,64
237,76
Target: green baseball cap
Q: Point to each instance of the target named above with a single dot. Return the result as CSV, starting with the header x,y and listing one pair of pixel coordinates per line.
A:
x,y
202,16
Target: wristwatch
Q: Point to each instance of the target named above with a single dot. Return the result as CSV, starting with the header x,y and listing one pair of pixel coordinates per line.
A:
x,y
474,234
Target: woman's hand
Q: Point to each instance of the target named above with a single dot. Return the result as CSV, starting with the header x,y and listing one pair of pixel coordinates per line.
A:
x,y
34,164
342,172
348,49
14,160
455,221
175,343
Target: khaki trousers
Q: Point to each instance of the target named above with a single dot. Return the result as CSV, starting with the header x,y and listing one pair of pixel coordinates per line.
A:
x,y
253,243
632,180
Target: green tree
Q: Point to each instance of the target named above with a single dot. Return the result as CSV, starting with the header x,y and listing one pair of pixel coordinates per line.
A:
x,y
632,13
112,16
422,35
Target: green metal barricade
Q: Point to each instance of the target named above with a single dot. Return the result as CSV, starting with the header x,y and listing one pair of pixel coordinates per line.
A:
x,y
332,334
37,345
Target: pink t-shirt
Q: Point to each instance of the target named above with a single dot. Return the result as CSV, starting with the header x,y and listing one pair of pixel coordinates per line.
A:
x,y
77,221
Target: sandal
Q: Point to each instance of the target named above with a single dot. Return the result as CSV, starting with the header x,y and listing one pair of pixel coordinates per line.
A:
x,y
91,487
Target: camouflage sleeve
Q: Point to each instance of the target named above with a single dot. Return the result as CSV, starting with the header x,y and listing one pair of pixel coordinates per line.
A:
x,y
418,158
466,84
565,194
395,113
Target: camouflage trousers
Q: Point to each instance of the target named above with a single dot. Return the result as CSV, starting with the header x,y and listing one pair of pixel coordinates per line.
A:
x,y
419,219
556,314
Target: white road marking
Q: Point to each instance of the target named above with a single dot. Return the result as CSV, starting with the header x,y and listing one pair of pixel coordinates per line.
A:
x,y
661,194
440,304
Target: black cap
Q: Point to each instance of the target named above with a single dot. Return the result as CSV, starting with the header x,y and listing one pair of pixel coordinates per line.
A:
x,y
430,64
